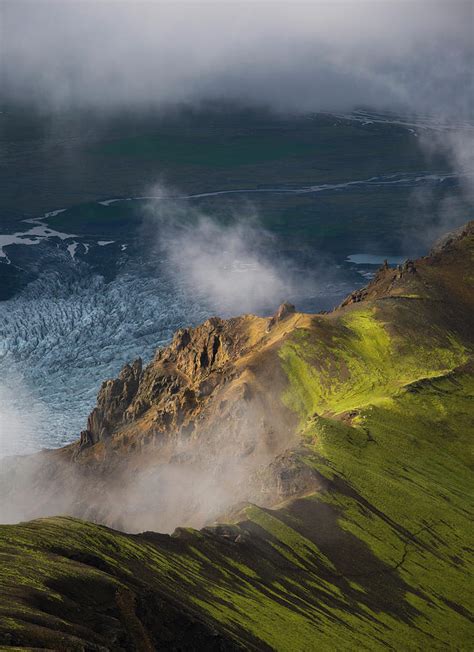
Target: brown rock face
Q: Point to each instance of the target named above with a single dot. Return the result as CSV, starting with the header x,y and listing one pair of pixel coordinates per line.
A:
x,y
355,297
180,440
283,311
198,351
408,267
173,386
114,397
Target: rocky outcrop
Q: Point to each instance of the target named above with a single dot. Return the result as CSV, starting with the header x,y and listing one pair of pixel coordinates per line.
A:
x,y
408,267
203,417
354,297
384,282
166,398
196,352
285,310
286,476
114,398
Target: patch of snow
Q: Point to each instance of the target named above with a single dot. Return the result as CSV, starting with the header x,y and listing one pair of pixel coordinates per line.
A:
x,y
54,213
107,202
43,231
72,249
14,238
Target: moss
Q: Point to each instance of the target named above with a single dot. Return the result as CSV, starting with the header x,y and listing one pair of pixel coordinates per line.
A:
x,y
360,364
408,462
387,412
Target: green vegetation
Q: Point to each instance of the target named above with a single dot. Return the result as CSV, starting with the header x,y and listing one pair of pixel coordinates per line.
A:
x,y
408,460
380,558
355,362
386,411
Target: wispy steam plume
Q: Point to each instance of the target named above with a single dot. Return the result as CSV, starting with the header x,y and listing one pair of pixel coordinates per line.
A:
x,y
232,266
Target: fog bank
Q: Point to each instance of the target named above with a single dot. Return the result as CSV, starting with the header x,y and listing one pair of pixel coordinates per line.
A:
x,y
413,56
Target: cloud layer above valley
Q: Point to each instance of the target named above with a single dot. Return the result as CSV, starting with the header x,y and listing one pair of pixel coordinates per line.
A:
x,y
289,56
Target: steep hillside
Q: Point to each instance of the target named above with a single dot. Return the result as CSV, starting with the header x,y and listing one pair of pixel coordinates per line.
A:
x,y
337,445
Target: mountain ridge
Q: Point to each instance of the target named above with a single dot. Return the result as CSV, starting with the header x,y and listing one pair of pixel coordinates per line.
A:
x,y
338,446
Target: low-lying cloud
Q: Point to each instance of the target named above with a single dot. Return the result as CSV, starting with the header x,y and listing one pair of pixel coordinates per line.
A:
x,y
108,56
301,57
17,424
431,214
230,263
170,481
230,266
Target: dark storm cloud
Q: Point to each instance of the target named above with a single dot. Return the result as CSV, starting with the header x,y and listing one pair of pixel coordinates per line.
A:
x,y
290,56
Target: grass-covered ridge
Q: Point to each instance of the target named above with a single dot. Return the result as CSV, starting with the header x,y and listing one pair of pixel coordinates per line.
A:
x,y
379,558
386,396
342,365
